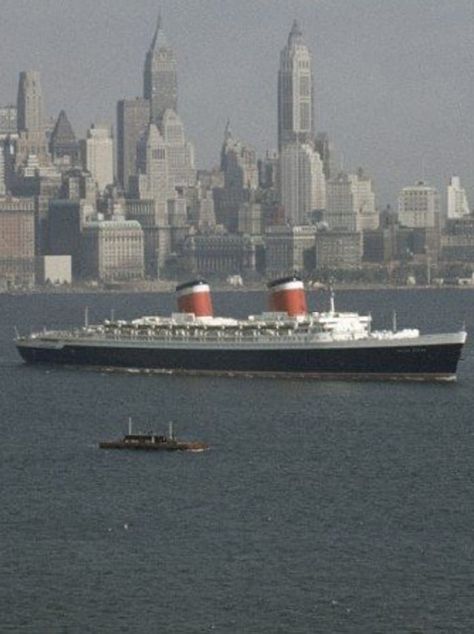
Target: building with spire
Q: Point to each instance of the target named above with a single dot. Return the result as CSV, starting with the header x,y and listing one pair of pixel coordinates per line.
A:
x,y
63,145
30,119
295,91
160,85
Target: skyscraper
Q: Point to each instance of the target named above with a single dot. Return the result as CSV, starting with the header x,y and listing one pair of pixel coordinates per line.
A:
x,y
63,144
160,85
180,153
239,166
98,155
30,120
351,203
30,102
458,206
295,91
153,183
133,116
302,182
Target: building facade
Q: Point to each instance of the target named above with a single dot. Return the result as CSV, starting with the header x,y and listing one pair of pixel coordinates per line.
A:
x,y
160,84
240,170
8,121
457,204
351,203
302,182
112,250
153,181
30,119
98,155
63,145
295,91
221,254
419,206
66,220
17,242
338,249
289,249
3,184
180,153
133,117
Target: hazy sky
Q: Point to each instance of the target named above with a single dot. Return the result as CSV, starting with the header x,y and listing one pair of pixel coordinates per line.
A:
x,y
393,78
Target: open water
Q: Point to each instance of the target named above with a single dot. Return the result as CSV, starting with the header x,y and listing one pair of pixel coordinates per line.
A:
x,y
325,507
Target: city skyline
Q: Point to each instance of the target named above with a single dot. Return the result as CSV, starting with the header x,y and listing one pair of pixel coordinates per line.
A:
x,y
401,120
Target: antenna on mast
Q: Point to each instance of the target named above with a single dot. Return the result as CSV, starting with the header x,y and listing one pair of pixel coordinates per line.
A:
x,y
332,303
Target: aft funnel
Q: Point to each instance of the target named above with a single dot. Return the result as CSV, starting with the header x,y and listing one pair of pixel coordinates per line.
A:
x,y
287,295
194,297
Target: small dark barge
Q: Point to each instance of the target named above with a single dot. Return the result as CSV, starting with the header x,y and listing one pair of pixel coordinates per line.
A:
x,y
153,442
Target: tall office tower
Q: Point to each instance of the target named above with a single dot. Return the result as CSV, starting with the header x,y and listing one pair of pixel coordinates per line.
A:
x,y
180,153
295,91
98,155
418,206
30,121
17,241
351,203
153,181
239,165
201,207
302,183
324,148
133,116
457,199
160,85
63,145
30,102
368,217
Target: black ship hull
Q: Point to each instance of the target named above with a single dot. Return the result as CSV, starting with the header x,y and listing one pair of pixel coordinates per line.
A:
x,y
416,360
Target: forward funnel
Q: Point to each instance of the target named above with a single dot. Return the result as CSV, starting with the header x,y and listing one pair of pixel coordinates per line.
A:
x,y
287,295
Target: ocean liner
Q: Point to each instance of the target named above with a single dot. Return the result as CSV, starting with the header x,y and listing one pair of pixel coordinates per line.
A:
x,y
286,340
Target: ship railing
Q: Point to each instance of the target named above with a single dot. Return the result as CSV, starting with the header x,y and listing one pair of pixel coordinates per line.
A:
x,y
206,337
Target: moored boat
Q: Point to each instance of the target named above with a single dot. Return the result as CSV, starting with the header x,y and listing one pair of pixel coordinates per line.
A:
x,y
153,442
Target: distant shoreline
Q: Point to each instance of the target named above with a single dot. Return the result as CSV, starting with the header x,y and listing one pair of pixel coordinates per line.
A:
x,y
169,288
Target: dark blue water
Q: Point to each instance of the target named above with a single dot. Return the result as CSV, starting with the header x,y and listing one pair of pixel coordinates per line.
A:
x,y
321,507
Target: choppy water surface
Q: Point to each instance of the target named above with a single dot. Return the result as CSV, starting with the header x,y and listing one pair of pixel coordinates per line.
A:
x,y
321,507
